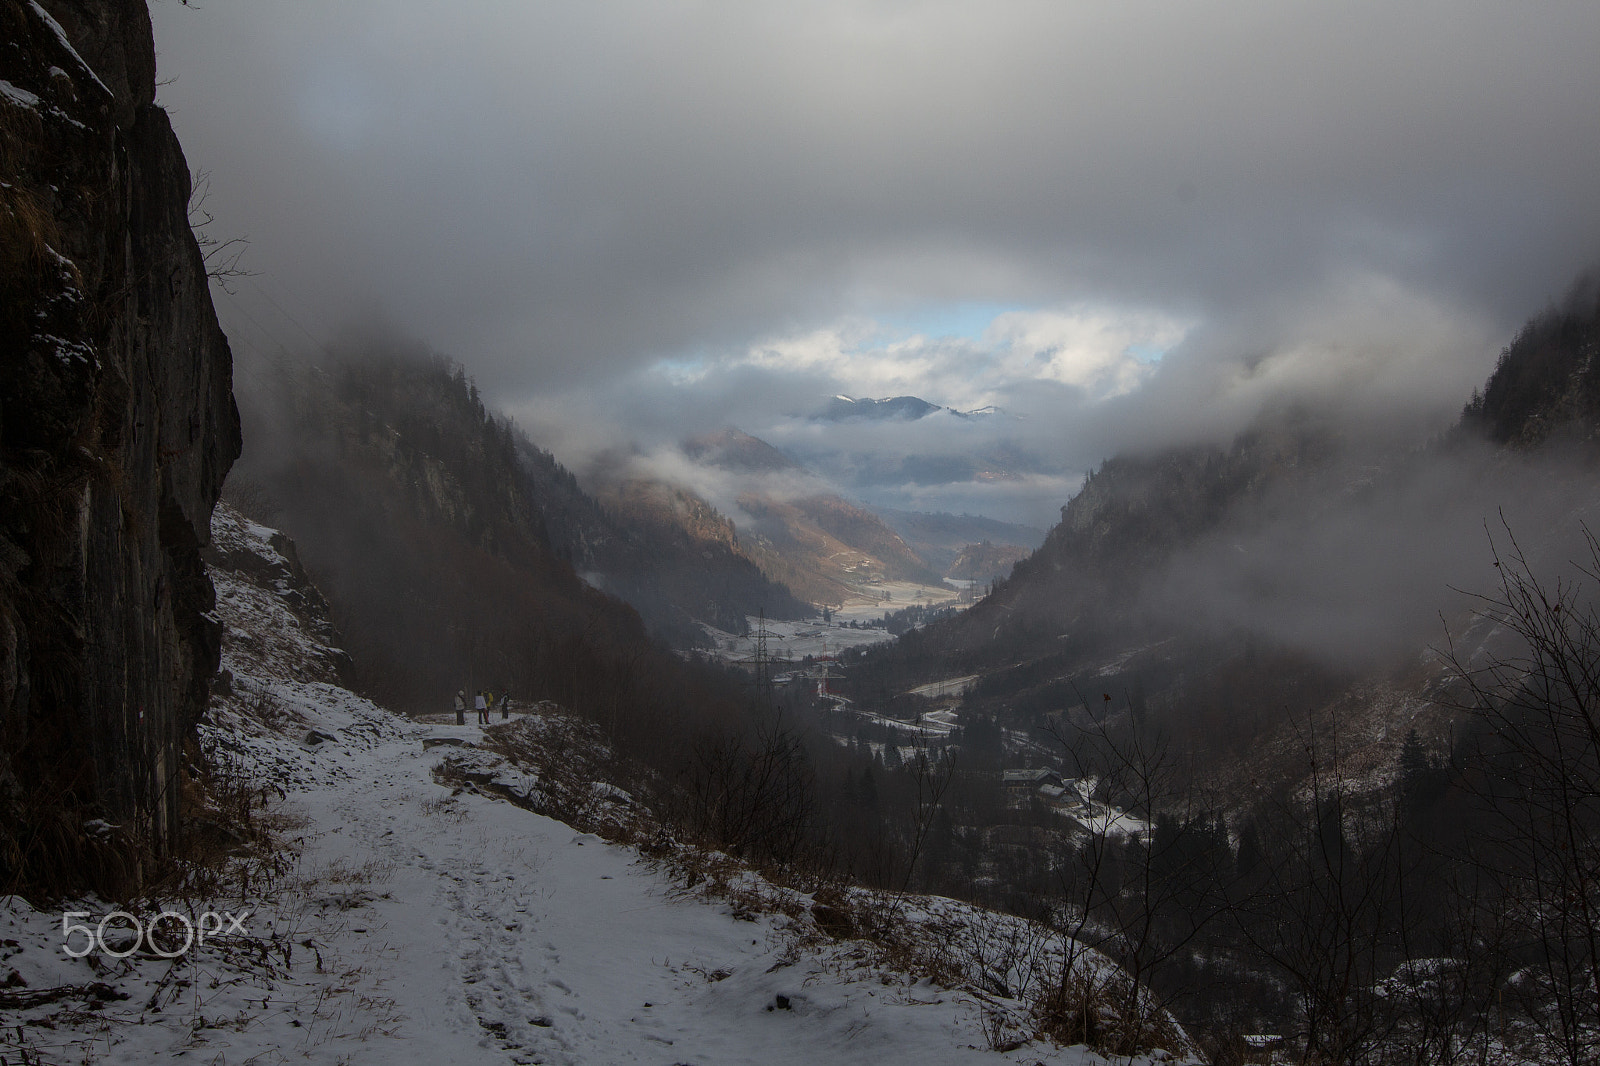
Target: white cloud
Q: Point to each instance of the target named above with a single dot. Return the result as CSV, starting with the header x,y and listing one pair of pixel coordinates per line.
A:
x,y
1079,385
1104,352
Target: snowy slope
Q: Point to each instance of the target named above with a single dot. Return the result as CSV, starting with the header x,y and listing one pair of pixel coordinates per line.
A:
x,y
427,924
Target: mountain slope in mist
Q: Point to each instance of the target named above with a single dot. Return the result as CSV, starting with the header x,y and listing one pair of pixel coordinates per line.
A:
x,y
423,519
816,542
985,561
1228,591
413,427
738,452
661,548
408,506
828,546
681,561
1547,382
941,538
791,524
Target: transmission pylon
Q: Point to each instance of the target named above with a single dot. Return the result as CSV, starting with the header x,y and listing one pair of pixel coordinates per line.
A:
x,y
762,662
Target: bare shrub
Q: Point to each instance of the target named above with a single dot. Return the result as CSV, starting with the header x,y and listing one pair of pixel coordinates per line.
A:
x,y
753,797
1539,788
234,838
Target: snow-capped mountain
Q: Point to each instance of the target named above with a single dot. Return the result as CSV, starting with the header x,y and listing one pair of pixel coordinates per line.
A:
x,y
893,408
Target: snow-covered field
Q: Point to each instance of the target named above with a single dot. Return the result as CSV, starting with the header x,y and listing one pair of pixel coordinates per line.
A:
x,y
793,641
872,602
952,686
412,922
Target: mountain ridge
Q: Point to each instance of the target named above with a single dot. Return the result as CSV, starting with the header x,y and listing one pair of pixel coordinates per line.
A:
x,y
843,408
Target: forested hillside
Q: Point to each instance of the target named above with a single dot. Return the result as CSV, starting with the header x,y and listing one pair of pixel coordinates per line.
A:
x,y
412,425
1547,382
424,518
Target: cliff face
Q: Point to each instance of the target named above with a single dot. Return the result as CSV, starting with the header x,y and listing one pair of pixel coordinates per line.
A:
x,y
117,427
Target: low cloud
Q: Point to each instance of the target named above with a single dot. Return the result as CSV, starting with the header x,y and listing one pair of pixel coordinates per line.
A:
x,y
1367,349
1371,564
1073,387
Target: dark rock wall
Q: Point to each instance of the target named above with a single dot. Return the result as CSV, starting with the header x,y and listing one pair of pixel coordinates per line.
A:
x,y
117,427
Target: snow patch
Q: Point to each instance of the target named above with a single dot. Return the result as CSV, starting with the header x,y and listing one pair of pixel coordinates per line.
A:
x,y
20,97
66,44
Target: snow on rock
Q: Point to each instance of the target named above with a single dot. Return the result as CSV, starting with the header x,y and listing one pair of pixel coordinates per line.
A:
x,y
61,37
19,97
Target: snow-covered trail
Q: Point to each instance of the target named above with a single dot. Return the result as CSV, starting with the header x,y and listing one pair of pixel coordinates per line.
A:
x,y
431,925
436,926
401,920
504,936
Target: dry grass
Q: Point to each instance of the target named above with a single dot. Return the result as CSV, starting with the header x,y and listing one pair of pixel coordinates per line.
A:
x,y
235,841
27,225
53,843
1101,1009
1011,969
576,773
28,231
50,851
444,807
350,874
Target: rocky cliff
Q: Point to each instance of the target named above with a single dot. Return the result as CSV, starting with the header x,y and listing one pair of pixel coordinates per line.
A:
x,y
117,427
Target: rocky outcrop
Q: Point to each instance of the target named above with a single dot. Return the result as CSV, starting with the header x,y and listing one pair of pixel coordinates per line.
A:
x,y
117,427
275,621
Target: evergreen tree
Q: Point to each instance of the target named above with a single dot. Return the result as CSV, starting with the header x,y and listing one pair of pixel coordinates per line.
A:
x,y
868,791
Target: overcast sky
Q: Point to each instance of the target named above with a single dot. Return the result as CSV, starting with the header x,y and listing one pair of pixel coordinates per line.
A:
x,y
1122,222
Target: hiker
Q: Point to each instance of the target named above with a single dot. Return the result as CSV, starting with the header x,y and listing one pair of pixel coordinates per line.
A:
x,y
505,706
461,706
482,705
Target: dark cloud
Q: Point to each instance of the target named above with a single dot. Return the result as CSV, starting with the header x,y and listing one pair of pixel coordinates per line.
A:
x,y
563,194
